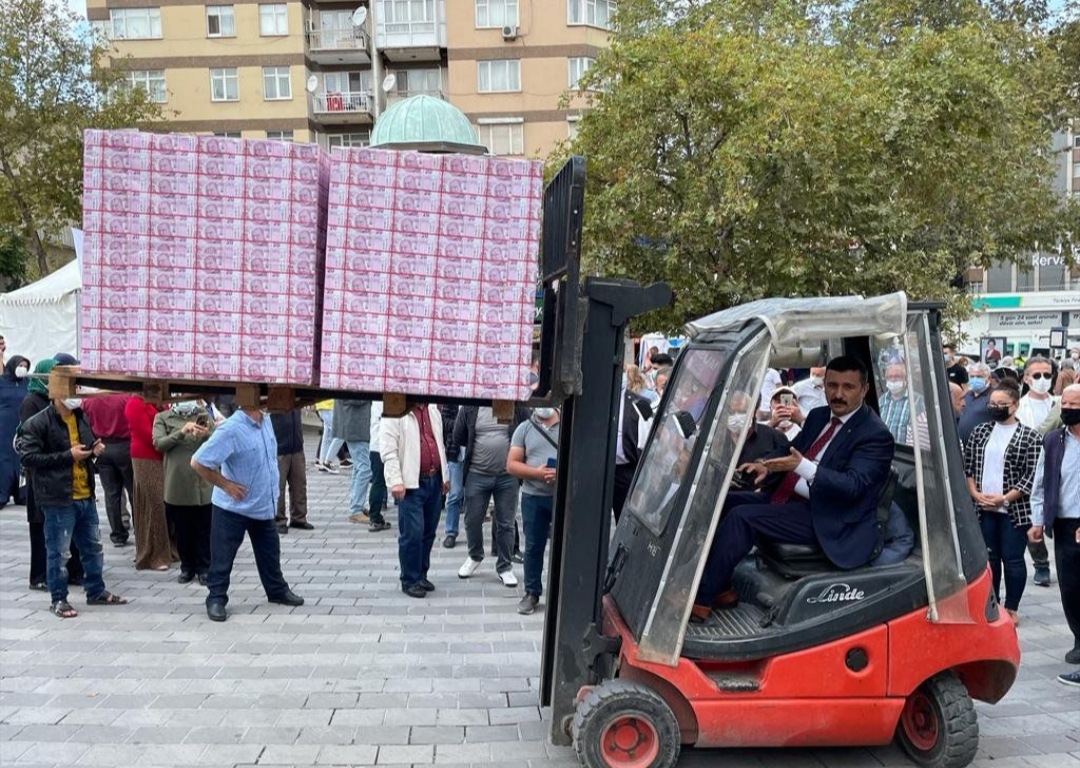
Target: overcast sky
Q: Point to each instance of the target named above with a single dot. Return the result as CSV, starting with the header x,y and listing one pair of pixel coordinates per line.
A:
x,y
79,6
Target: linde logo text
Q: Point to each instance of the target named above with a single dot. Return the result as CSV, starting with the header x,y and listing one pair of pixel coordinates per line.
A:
x,y
838,593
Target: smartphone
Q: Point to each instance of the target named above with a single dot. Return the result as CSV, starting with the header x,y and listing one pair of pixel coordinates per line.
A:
x,y
787,399
551,463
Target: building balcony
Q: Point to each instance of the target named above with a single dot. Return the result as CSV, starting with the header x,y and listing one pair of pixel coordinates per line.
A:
x,y
413,31
339,46
342,108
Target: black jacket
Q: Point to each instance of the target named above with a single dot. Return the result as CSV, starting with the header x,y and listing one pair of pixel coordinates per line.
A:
x,y
449,417
289,431
465,430
44,446
33,404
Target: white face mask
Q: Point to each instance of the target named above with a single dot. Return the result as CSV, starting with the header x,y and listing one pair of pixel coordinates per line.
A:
x,y
543,413
895,387
71,403
186,407
1042,386
817,381
736,422
22,373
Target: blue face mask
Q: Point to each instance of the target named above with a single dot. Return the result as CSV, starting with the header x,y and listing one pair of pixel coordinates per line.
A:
x,y
977,384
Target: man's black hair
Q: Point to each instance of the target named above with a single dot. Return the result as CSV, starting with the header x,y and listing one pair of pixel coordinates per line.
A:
x,y
847,363
662,359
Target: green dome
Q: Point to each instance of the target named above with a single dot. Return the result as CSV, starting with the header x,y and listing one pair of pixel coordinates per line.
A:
x,y
425,123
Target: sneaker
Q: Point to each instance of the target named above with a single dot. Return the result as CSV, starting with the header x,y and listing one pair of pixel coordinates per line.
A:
x,y
449,542
468,568
1042,576
516,557
508,578
346,463
1070,678
376,527
330,468
528,605
321,467
358,518
1073,656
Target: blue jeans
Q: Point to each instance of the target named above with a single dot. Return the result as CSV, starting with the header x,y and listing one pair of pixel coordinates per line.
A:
x,y
226,535
76,522
361,477
479,489
329,446
1005,546
418,522
454,499
536,514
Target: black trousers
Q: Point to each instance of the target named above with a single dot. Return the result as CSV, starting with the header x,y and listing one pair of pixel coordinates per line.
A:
x,y
624,475
192,525
377,494
114,466
227,531
38,565
1067,557
1040,556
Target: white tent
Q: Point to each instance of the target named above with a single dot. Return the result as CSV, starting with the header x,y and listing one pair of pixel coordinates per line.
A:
x,y
42,318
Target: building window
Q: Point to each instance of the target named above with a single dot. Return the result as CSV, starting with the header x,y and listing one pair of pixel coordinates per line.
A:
x,y
347,82
594,13
572,127
286,136
228,134
348,139
408,16
150,80
500,76
503,137
220,21
577,68
135,23
273,20
224,85
412,82
492,14
276,85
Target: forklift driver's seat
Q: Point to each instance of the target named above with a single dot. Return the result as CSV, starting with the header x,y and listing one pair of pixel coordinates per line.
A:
x,y
793,561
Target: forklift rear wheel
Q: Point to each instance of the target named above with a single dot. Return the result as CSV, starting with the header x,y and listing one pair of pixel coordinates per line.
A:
x,y
622,724
938,727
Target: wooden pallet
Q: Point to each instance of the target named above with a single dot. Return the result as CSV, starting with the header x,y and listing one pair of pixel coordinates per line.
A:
x,y
64,381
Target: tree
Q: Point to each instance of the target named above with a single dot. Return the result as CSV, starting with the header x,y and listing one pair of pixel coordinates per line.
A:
x,y
739,149
53,86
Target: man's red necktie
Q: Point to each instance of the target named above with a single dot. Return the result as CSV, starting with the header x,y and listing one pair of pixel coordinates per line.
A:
x,y
786,490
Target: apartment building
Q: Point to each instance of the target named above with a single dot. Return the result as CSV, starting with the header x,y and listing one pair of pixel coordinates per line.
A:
x,y
324,70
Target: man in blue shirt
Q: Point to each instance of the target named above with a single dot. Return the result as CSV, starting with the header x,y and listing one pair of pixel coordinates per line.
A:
x,y
974,412
240,461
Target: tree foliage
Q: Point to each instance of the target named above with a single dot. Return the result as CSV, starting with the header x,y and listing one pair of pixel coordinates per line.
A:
x,y
52,88
739,149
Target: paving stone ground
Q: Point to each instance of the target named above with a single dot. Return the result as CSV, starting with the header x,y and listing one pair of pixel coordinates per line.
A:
x,y
361,675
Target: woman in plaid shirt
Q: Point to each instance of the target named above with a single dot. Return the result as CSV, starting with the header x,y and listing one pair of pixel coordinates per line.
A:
x,y
999,461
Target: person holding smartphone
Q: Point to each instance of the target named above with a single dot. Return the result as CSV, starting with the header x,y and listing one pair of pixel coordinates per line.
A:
x,y
786,415
534,451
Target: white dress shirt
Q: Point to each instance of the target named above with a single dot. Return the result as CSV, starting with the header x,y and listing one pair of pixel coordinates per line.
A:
x,y
807,469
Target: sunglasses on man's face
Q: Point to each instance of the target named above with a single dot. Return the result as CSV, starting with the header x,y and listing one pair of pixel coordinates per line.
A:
x,y
1039,375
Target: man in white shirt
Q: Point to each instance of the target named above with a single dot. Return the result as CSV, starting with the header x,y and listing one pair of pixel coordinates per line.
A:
x,y
811,391
1032,411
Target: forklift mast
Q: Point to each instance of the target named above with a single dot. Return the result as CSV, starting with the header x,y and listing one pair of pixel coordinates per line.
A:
x,y
581,353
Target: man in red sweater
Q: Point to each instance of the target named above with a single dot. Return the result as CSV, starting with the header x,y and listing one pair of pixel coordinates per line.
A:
x,y
107,420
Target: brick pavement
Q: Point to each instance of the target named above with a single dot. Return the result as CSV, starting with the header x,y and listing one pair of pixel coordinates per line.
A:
x,y
361,674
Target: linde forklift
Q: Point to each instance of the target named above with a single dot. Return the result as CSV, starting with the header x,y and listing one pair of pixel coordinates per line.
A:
x,y
812,656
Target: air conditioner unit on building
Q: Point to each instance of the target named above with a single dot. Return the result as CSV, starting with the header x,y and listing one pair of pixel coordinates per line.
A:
x,y
510,32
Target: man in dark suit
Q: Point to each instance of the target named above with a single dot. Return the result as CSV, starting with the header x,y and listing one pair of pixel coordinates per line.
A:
x,y
832,480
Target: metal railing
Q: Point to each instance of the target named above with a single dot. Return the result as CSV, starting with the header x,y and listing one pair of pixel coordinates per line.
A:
x,y
333,103
437,93
350,39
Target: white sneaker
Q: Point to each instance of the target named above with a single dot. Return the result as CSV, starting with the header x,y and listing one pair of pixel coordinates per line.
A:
x,y
468,568
508,578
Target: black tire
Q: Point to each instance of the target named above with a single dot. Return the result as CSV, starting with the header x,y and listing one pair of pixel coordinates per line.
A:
x,y
939,727
625,705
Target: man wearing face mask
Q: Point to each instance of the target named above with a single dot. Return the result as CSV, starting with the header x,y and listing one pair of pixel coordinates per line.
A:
x,y
12,391
762,442
534,450
59,447
811,391
981,384
1055,512
895,406
1033,410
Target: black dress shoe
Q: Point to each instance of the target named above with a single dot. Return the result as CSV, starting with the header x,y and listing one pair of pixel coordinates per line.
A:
x,y
202,579
303,525
216,611
426,585
449,542
282,528
289,598
185,577
414,591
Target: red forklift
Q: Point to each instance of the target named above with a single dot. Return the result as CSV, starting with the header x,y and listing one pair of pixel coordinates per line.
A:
x,y
812,656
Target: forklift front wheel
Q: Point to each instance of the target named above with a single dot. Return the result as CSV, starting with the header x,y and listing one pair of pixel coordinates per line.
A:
x,y
622,724
938,727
